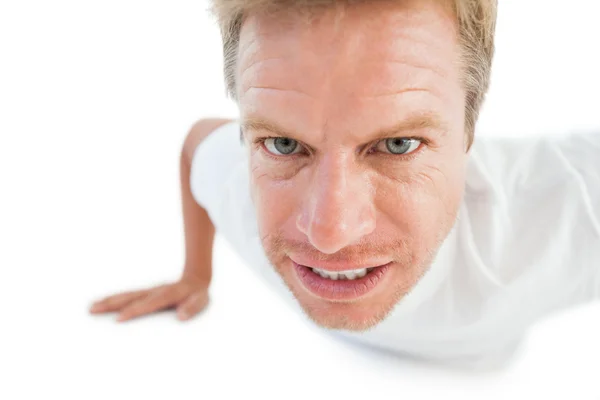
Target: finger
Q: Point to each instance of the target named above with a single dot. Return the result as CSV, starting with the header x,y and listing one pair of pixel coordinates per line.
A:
x,y
154,301
116,302
192,305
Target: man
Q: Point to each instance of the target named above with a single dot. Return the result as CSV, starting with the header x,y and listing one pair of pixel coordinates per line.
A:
x,y
353,182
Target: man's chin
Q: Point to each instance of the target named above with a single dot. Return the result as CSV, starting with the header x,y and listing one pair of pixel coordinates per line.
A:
x,y
354,317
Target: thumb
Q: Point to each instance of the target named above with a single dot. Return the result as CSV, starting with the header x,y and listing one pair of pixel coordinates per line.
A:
x,y
192,305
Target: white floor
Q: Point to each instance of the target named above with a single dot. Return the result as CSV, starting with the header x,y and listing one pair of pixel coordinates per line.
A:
x,y
246,344
95,100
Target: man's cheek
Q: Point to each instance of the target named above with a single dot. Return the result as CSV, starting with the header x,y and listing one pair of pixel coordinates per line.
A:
x,y
263,166
414,205
275,201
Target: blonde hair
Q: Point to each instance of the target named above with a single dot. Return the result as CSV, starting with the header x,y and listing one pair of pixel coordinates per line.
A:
x,y
476,26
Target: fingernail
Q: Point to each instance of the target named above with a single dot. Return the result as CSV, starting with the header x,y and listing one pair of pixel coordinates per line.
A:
x,y
182,315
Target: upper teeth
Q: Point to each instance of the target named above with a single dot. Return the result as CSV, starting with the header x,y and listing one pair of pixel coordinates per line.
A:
x,y
351,274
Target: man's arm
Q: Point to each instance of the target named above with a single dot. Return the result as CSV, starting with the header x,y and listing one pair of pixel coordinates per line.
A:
x,y
199,230
189,295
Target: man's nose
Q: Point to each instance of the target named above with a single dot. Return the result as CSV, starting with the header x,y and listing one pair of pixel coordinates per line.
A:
x,y
338,210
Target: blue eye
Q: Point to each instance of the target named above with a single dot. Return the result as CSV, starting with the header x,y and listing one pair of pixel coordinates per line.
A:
x,y
398,146
282,146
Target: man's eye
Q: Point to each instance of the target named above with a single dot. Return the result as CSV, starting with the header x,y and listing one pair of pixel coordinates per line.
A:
x,y
282,146
398,146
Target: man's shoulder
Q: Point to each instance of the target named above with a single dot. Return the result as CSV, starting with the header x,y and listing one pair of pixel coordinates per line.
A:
x,y
531,212
199,131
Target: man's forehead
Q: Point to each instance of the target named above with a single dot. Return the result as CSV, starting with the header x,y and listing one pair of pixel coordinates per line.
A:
x,y
381,55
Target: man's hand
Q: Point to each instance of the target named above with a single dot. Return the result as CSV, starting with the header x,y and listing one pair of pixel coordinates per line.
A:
x,y
188,296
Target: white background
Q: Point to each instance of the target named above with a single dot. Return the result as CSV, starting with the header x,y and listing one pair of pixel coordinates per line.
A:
x,y
95,100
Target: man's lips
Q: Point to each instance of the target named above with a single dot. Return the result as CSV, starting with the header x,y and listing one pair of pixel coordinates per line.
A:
x,y
340,289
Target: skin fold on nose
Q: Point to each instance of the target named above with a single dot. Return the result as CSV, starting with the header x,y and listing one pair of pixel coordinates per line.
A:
x,y
339,209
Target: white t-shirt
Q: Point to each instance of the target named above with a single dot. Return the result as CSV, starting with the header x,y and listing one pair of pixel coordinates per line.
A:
x,y
526,243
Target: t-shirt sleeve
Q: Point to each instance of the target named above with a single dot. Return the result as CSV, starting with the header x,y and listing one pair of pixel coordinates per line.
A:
x,y
219,181
534,207
215,161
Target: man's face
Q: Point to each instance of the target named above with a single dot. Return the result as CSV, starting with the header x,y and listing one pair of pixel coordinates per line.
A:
x,y
355,126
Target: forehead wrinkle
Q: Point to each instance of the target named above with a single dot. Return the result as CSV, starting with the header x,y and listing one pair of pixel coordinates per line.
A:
x,y
256,63
268,88
273,73
428,68
395,93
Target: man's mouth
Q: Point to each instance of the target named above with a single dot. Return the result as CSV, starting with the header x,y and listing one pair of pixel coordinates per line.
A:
x,y
343,285
341,275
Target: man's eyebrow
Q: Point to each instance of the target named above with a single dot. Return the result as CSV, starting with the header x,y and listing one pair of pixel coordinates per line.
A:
x,y
413,123
258,124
